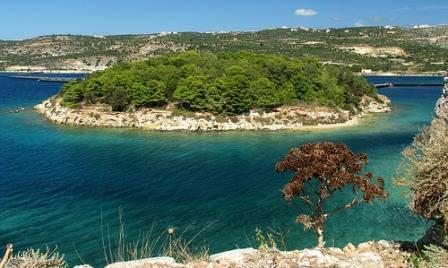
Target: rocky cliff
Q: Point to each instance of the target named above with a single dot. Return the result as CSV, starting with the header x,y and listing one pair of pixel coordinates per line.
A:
x,y
285,118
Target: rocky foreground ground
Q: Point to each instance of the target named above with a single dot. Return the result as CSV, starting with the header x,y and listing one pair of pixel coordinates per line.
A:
x,y
300,117
379,254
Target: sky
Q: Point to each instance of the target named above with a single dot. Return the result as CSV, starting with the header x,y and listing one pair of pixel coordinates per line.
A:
x,y
20,19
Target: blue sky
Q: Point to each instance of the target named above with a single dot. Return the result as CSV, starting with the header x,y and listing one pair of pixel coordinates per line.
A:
x,y
28,18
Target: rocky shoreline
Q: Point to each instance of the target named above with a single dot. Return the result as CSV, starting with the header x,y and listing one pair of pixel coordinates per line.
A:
x,y
300,117
379,254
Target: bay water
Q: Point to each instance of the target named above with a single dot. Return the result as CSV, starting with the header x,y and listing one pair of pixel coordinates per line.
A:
x,y
61,186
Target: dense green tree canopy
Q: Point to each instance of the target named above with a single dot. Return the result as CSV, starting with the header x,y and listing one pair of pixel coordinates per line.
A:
x,y
225,83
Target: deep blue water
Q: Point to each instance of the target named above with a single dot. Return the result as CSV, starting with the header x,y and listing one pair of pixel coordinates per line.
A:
x,y
57,184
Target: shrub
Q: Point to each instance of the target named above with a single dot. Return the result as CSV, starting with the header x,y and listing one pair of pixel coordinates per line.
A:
x,y
424,165
436,257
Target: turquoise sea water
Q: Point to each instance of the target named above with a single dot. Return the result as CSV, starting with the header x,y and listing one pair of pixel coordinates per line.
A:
x,y
58,183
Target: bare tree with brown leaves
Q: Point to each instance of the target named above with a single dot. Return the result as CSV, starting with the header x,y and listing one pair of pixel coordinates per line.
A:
x,y
334,166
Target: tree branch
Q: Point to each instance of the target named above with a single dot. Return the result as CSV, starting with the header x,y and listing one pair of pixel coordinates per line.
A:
x,y
349,205
307,201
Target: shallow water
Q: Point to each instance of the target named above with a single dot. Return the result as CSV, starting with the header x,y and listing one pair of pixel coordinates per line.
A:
x,y
57,184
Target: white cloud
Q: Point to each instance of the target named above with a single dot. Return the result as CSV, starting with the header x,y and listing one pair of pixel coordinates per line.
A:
x,y
302,12
359,24
336,18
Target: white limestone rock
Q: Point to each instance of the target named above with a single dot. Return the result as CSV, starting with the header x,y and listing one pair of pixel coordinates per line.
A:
x,y
159,262
284,118
234,257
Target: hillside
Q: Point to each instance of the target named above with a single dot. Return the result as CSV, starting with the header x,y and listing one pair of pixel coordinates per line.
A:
x,y
377,48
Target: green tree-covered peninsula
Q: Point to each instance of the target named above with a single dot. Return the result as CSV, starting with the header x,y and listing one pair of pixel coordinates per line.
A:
x,y
228,83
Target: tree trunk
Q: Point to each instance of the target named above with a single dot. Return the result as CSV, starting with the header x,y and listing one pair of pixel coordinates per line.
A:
x,y
320,235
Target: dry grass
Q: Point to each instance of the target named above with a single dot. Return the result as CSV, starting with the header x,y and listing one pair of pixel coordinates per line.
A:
x,y
270,240
148,245
182,250
119,249
424,168
37,259
431,257
436,257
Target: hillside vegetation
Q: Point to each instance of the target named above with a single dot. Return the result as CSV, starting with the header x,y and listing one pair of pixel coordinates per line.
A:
x,y
377,48
225,83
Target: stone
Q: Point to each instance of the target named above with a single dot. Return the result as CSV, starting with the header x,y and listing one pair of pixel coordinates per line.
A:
x,y
368,260
312,253
305,264
381,254
349,248
327,261
83,266
234,257
165,262
290,254
363,247
383,244
335,251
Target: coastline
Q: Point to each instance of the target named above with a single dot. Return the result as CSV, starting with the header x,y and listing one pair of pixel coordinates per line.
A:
x,y
294,118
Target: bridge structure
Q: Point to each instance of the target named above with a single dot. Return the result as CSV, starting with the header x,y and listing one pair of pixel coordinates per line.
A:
x,y
410,84
45,78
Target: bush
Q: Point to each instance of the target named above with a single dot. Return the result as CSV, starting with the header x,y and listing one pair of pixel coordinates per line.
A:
x,y
424,165
436,257
37,259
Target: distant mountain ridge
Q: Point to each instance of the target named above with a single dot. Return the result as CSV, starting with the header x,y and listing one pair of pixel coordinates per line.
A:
x,y
378,48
